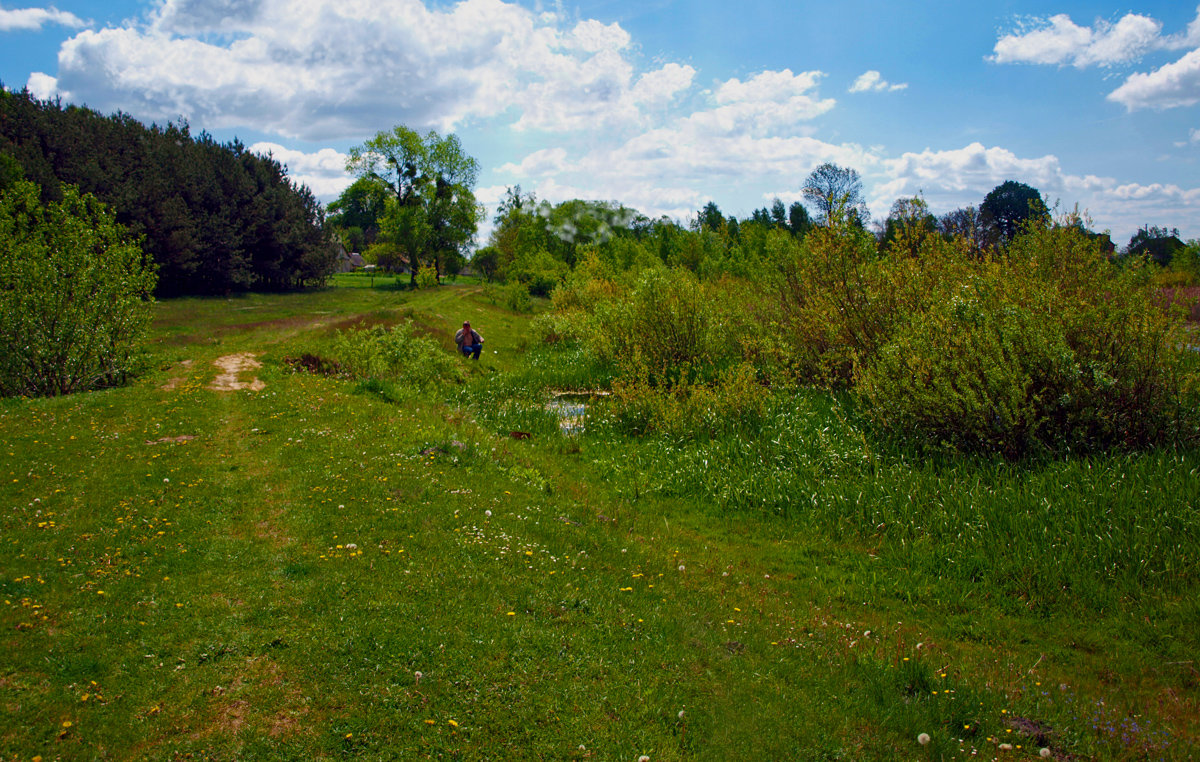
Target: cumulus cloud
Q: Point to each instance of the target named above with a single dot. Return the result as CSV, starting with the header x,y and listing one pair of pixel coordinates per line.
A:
x,y
952,178
1059,40
873,81
324,171
749,131
544,162
33,19
1169,86
337,69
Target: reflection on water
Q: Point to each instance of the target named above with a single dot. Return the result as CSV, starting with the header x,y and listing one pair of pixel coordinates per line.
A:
x,y
571,409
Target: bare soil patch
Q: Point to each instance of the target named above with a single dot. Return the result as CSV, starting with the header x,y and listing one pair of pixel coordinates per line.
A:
x,y
174,382
232,367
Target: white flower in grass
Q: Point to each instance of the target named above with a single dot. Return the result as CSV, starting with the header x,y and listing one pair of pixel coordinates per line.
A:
x,y
643,758
923,739
1044,753
681,714
488,514
681,567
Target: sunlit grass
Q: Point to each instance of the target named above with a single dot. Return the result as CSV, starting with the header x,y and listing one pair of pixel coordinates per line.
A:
x,y
262,575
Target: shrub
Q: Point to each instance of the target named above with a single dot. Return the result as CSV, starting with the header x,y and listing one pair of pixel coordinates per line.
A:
x,y
733,401
427,277
1047,349
516,297
74,294
669,327
396,355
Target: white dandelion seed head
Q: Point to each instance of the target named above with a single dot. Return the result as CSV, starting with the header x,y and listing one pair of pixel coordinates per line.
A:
x,y
923,739
681,714
1005,747
643,758
1044,753
166,481
681,567
488,514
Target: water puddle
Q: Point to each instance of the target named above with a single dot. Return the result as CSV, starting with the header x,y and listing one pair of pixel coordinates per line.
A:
x,y
571,409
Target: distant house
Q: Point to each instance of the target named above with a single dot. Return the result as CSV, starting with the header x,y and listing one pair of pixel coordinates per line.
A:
x,y
1161,249
348,262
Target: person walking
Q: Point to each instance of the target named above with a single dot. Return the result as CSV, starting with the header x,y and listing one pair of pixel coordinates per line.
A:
x,y
469,341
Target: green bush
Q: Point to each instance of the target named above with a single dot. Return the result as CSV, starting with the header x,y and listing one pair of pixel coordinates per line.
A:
x,y
669,327
1047,349
732,402
427,277
75,294
516,297
395,355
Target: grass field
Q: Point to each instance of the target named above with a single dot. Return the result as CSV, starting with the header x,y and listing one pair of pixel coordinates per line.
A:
x,y
306,571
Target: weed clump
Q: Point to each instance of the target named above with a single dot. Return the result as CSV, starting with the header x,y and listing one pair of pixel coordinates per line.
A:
x,y
396,355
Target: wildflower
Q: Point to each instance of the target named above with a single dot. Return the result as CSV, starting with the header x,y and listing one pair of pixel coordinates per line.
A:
x,y
643,758
452,723
349,736
681,714
166,481
430,722
488,514
923,739
1005,747
681,567
1044,753
418,675
512,613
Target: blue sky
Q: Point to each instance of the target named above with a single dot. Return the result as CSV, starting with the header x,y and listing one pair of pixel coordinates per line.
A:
x,y
666,105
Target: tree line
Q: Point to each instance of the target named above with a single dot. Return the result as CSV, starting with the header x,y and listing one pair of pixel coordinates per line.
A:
x,y
215,217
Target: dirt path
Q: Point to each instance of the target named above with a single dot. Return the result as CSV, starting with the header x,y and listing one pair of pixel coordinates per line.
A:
x,y
232,367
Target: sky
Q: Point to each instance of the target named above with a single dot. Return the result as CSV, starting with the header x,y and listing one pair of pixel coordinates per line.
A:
x,y
665,105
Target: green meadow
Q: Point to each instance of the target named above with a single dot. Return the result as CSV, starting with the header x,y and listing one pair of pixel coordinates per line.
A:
x,y
317,567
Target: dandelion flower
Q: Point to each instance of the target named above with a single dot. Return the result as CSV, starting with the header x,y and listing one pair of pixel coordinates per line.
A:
x,y
681,567
1044,753
681,714
643,758
488,514
418,675
452,723
923,739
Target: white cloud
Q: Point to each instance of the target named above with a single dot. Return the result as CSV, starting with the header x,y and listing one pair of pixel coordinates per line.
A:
x,y
953,178
1175,84
33,19
329,69
324,172
42,86
873,81
544,162
1059,40
748,132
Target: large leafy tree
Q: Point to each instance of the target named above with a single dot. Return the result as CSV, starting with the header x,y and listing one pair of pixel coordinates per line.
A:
x,y
831,188
1007,208
357,212
430,212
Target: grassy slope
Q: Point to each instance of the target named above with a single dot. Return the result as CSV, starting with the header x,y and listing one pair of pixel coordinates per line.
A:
x,y
203,596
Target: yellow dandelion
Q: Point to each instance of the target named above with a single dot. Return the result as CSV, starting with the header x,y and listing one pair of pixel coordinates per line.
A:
x,y
452,723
